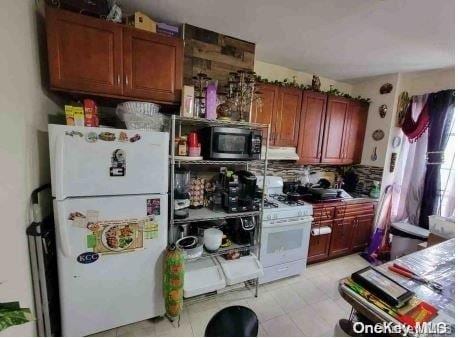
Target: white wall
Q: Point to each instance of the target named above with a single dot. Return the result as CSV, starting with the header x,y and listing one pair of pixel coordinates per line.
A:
x,y
371,88
276,72
429,81
23,147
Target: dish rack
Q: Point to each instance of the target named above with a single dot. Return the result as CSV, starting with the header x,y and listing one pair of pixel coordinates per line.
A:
x,y
211,274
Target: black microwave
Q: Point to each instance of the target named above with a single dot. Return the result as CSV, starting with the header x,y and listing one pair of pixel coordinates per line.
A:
x,y
229,143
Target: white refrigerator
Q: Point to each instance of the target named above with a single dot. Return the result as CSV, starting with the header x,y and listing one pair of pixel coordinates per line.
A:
x,y
110,208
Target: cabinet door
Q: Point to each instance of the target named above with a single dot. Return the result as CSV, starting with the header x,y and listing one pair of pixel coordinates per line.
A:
x,y
311,127
355,128
152,65
341,236
362,232
334,130
287,117
85,53
319,245
263,111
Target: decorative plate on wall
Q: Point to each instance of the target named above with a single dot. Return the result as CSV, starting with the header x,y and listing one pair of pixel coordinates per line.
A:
x,y
386,88
382,110
378,134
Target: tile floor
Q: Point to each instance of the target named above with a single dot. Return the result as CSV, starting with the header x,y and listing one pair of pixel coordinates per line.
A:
x,y
307,305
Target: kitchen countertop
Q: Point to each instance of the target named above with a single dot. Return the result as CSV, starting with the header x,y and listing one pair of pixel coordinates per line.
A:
x,y
354,200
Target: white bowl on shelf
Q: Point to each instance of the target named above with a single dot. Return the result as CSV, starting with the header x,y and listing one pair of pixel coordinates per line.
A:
x,y
213,239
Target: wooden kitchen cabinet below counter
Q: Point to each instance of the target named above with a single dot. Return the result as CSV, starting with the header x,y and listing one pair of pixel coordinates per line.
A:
x,y
351,224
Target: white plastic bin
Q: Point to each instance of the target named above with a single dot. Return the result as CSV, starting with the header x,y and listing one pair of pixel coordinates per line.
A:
x,y
202,276
406,238
242,269
442,226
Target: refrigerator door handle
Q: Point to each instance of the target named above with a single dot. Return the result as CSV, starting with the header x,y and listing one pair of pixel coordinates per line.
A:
x,y
62,232
59,163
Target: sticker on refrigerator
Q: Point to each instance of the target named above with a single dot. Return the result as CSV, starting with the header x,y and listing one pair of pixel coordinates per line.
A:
x,y
135,138
118,163
151,229
118,236
87,257
91,137
107,136
74,133
153,206
123,137
91,241
78,219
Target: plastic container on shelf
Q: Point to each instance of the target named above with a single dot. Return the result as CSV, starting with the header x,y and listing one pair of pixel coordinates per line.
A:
x,y
242,269
141,115
140,108
202,276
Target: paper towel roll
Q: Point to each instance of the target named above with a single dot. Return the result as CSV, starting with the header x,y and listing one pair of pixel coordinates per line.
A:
x,y
321,231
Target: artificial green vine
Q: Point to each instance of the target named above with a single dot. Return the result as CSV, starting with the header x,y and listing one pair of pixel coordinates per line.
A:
x,y
294,84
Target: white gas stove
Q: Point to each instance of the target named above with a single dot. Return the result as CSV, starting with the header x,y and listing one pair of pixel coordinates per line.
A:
x,y
285,235
276,204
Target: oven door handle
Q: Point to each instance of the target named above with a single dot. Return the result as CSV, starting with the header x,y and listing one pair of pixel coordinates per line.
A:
x,y
305,221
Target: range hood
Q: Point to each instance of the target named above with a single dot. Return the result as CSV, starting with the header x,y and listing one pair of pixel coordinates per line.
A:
x,y
281,153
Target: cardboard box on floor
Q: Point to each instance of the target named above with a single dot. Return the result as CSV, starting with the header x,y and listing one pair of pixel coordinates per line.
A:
x,y
433,239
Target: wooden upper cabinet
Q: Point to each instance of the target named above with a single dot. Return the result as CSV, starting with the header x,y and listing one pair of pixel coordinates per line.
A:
x,y
355,128
286,119
311,128
152,65
264,110
333,140
97,57
85,53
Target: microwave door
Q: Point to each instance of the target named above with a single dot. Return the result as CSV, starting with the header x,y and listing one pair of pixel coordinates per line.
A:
x,y
230,144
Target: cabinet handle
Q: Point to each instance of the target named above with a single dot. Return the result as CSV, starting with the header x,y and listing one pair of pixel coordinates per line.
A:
x,y
119,80
127,80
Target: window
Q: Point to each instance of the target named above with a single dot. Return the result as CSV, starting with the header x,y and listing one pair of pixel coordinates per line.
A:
x,y
447,176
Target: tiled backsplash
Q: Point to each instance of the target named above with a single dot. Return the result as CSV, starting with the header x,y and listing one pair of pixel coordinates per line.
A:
x,y
291,171
367,175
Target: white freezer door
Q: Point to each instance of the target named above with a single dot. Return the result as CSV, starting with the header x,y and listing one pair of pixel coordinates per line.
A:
x,y
117,288
84,164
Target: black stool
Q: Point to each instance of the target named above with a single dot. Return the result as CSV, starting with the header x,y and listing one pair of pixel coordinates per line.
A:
x,y
233,321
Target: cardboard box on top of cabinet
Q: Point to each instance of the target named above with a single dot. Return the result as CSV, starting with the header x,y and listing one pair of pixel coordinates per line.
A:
x,y
142,21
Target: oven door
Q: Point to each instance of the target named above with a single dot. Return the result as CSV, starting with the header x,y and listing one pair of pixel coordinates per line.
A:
x,y
285,242
231,143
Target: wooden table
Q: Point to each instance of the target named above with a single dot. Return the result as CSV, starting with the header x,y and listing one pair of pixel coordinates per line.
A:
x,y
436,263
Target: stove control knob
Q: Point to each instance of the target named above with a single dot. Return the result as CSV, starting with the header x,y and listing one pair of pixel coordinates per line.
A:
x,y
269,217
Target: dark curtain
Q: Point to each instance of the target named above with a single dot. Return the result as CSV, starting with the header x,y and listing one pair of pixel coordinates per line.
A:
x,y
440,107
